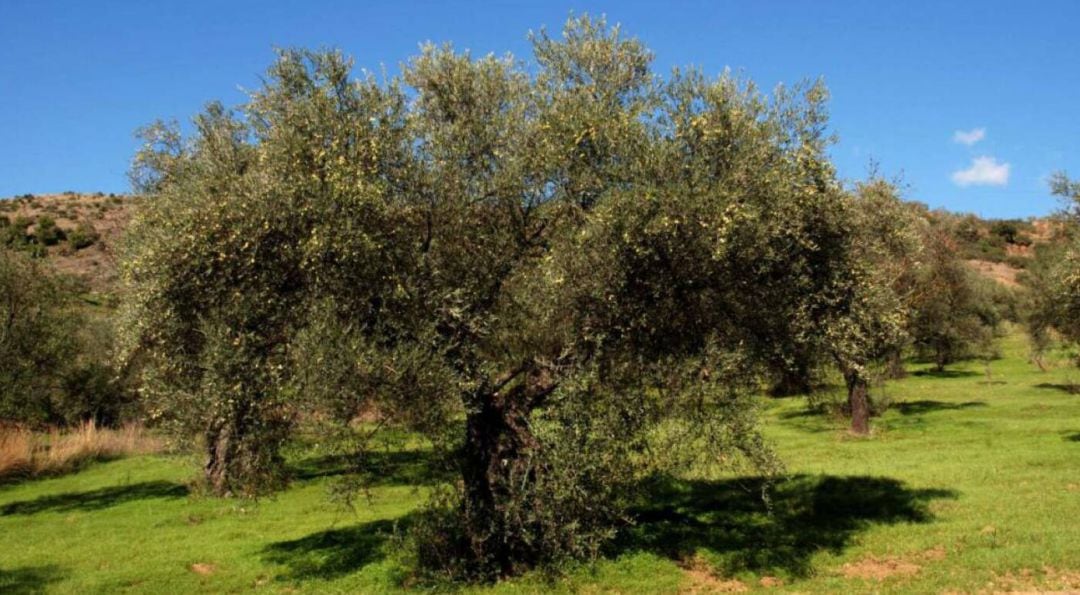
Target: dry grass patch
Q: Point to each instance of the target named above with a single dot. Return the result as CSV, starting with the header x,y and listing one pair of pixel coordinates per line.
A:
x,y
28,454
203,569
700,579
1049,580
881,568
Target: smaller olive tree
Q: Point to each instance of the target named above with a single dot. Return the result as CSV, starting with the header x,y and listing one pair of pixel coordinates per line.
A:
x,y
37,341
884,251
952,318
1053,280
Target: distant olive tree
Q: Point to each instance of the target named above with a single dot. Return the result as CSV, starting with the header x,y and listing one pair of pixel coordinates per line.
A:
x,y
569,276
36,340
953,316
886,254
1053,279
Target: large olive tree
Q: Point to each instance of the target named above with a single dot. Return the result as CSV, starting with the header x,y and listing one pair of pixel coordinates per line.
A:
x,y
569,275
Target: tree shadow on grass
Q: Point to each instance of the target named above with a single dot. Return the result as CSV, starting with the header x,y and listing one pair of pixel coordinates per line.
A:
x,y
1065,387
1074,437
932,373
928,406
27,580
377,468
732,522
335,552
95,499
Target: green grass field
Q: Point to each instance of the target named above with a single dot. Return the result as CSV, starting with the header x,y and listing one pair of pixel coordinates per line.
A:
x,y
967,485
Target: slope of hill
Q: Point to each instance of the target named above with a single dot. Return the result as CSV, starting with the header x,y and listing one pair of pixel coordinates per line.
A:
x,y
998,249
77,234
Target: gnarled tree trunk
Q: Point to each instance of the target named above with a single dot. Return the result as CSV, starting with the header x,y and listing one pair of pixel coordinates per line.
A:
x,y
498,480
219,456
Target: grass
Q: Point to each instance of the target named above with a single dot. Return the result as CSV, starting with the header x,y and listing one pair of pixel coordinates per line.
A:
x,y
27,454
966,485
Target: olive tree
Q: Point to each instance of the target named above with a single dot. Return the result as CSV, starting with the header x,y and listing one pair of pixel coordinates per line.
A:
x,y
886,252
952,317
1053,281
569,275
36,340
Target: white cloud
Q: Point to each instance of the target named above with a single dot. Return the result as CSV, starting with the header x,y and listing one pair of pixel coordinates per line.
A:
x,y
984,171
969,137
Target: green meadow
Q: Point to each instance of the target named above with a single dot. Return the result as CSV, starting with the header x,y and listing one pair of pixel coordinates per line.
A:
x,y
970,482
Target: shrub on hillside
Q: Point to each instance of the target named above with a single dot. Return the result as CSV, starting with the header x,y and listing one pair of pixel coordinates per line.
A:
x,y
83,236
47,233
14,235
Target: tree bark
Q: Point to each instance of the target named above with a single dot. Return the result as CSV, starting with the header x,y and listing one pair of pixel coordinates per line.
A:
x,y
498,479
858,402
219,447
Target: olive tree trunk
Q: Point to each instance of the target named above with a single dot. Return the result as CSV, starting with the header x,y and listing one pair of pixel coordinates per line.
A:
x,y
498,481
858,402
219,458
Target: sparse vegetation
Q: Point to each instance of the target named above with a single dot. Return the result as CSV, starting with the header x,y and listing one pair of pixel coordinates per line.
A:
x,y
83,236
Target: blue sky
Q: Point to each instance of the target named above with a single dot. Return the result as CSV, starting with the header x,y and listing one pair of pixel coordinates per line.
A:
x,y
78,77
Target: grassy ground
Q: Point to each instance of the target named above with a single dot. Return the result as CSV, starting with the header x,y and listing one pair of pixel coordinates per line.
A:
x,y
967,485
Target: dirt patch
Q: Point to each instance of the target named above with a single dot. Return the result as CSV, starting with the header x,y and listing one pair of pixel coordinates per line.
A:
x,y
700,580
203,569
771,582
1034,581
880,568
998,271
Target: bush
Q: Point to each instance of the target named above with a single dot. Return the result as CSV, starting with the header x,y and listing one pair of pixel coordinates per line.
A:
x,y
1006,230
14,235
47,233
83,236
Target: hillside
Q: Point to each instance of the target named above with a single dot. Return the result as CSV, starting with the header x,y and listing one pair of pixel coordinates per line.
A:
x,y
88,227
998,249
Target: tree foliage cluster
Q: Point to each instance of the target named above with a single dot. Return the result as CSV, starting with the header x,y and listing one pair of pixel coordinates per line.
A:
x,y
915,295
